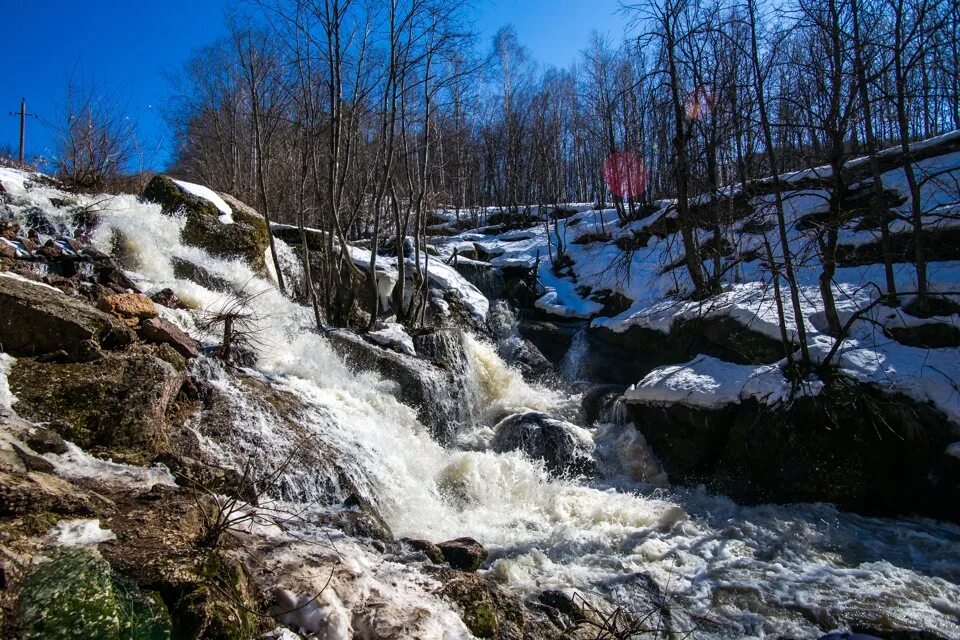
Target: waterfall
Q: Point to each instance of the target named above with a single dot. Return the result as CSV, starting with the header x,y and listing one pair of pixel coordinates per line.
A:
x,y
754,571
572,365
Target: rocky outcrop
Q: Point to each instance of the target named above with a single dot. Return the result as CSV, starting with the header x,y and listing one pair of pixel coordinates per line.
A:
x,y
117,402
128,306
718,336
37,319
565,448
851,445
246,237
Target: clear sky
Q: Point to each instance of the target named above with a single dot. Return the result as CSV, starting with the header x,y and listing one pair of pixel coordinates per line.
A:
x,y
127,45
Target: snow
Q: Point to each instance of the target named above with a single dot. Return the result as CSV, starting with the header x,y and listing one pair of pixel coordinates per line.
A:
x,y
16,276
710,383
394,336
226,213
79,533
6,396
78,464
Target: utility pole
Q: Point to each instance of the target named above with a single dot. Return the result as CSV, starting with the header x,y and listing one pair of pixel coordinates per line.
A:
x,y
23,125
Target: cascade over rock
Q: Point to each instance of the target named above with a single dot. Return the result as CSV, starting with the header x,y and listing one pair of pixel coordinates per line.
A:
x,y
432,384
565,448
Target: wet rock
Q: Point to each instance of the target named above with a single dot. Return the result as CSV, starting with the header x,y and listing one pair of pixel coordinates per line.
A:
x,y
162,331
128,305
33,462
186,270
598,401
118,402
463,554
35,319
852,445
427,548
247,238
361,518
44,440
565,448
167,298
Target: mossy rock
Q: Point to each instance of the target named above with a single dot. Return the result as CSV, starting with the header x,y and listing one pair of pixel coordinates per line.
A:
x,y
76,596
247,238
222,606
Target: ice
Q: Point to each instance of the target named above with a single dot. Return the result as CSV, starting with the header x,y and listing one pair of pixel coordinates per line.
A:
x,y
6,396
79,533
78,464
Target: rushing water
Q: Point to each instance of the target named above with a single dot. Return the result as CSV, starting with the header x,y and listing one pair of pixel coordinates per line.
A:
x,y
792,571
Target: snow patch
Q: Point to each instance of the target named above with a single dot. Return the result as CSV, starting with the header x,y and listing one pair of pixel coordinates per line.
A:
x,y
394,336
709,383
226,213
16,276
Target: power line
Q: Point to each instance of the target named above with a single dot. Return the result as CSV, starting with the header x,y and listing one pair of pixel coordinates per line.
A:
x,y
23,124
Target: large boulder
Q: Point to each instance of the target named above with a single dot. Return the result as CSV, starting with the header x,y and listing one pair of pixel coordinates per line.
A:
x,y
117,403
852,445
246,237
565,448
36,319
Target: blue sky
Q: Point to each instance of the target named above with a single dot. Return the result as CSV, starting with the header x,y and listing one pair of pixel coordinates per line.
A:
x,y
127,45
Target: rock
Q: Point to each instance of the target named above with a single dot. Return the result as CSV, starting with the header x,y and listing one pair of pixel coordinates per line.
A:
x,y
932,334
35,319
163,331
74,595
44,440
128,305
565,448
432,551
531,362
221,604
168,298
246,238
852,445
464,554
118,402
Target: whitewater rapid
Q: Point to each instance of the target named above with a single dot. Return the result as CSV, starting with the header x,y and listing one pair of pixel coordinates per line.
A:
x,y
795,571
